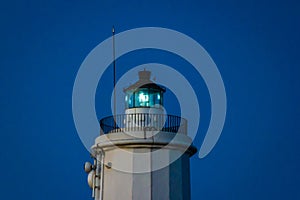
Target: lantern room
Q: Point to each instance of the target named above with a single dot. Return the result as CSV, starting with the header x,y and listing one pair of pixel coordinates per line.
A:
x,y
144,93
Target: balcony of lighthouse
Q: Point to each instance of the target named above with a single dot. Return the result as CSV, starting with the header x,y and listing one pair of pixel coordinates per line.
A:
x,y
141,122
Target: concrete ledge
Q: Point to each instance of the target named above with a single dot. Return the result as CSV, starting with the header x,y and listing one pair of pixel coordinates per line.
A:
x,y
145,139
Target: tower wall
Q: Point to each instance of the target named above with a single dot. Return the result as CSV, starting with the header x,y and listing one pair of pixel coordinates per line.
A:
x,y
124,155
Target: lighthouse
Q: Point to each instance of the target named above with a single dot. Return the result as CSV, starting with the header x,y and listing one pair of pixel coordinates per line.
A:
x,y
142,154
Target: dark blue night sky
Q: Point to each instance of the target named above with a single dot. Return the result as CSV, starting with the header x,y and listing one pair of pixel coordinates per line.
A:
x,y
254,44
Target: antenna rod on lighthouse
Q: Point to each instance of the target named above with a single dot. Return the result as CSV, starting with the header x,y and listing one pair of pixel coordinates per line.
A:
x,y
114,60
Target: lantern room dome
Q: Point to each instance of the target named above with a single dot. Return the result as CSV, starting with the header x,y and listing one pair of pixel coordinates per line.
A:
x,y
144,93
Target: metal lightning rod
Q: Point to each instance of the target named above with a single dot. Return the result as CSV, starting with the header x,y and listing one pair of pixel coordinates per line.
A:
x,y
114,60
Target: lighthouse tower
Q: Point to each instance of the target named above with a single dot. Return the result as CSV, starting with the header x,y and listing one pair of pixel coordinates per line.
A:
x,y
144,153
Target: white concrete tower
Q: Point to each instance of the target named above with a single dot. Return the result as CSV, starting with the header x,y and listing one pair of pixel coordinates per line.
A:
x,y
144,153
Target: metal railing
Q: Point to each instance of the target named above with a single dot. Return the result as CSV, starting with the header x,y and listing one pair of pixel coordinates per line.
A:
x,y
143,122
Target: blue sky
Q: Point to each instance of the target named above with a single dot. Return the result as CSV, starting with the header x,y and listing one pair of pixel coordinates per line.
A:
x,y
254,44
